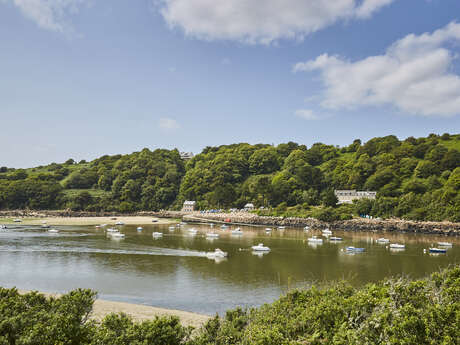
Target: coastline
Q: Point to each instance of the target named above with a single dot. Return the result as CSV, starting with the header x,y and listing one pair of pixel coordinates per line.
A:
x,y
138,312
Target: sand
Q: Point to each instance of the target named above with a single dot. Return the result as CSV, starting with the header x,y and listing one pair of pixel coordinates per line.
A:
x,y
139,312
135,220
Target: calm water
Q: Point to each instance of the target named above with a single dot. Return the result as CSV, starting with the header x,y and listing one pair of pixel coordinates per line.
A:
x,y
173,271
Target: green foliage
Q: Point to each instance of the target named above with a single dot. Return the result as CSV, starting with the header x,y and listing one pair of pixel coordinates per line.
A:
x,y
395,311
415,179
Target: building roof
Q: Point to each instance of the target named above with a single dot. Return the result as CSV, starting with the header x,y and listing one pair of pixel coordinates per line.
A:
x,y
189,202
249,205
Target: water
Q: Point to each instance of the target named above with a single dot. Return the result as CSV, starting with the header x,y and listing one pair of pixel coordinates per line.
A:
x,y
174,272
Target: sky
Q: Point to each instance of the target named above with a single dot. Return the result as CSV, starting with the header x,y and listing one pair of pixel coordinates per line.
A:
x,y
84,78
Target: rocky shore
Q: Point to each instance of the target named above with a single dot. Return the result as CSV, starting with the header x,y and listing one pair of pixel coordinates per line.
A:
x,y
245,218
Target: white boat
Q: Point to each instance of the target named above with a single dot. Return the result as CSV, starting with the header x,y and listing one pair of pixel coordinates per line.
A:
x,y
53,231
2,227
397,246
103,225
157,234
172,228
154,220
445,244
224,226
260,248
268,229
327,232
45,226
119,223
17,220
336,239
112,230
212,235
98,226
281,227
382,240
315,239
438,250
211,225
306,228
217,253
354,250
140,228
192,231
237,231
118,235
182,223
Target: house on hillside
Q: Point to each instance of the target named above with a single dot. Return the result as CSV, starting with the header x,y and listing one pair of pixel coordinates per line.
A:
x,y
189,206
186,155
249,207
347,196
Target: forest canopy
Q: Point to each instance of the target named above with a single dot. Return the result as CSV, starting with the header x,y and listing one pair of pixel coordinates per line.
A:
x,y
415,178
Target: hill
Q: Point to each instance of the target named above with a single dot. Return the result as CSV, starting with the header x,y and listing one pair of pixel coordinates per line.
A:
x,y
416,178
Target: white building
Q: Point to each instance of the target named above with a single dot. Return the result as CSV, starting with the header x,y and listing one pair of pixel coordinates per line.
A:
x,y
347,196
249,207
189,206
186,155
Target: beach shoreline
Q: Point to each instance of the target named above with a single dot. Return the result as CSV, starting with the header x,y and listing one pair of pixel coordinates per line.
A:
x,y
138,312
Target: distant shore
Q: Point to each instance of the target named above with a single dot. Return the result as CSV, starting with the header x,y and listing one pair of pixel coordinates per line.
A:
x,y
139,312
133,220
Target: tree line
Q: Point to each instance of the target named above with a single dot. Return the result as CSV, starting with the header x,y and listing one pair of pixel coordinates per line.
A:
x,y
415,178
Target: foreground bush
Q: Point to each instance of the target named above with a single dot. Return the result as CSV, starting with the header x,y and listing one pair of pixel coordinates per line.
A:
x,y
396,311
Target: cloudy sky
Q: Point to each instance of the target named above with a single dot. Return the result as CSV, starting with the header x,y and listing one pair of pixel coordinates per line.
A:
x,y
83,78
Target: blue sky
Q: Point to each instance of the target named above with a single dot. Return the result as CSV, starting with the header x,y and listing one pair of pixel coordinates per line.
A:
x,y
83,78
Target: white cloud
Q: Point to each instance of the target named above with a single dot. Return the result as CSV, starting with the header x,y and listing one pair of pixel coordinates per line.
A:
x,y
414,74
49,14
168,123
262,22
306,114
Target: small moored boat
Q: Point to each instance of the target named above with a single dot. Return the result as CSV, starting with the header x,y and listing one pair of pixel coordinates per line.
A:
x,y
119,223
281,227
2,227
237,231
112,230
315,239
140,228
397,246
327,232
333,238
306,228
17,220
118,235
212,235
53,231
260,248
445,244
438,250
157,234
382,240
192,231
354,249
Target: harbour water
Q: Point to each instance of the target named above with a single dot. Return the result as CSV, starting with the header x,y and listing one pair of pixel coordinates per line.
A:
x,y
173,271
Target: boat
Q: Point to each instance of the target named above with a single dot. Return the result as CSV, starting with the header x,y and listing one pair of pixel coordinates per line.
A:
x,y
438,250
157,234
445,244
315,239
2,227
17,220
119,223
224,227
354,249
306,228
172,228
382,240
192,231
397,246
154,220
217,253
281,227
237,231
211,225
333,238
140,228
53,231
45,226
212,235
103,225
182,223
268,229
118,235
112,230
98,226
260,248
327,232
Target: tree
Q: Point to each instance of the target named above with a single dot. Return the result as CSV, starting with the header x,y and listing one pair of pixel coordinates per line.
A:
x,y
329,198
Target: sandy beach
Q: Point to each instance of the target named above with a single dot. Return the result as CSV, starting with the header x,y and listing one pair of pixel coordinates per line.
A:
x,y
135,220
140,312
